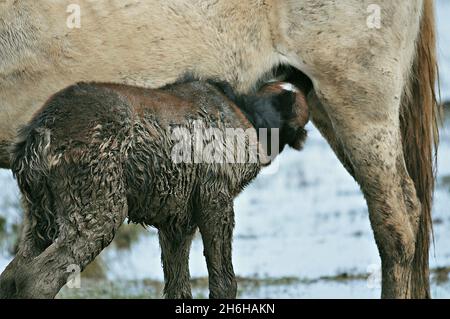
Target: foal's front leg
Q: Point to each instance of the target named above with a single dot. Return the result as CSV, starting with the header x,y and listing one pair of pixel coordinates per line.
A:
x,y
216,223
175,247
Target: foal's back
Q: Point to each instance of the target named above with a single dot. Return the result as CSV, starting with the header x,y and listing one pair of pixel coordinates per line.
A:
x,y
124,133
79,112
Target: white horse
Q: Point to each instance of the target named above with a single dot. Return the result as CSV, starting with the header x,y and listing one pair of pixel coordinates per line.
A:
x,y
372,69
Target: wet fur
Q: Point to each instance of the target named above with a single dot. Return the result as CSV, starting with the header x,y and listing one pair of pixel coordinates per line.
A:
x,y
99,153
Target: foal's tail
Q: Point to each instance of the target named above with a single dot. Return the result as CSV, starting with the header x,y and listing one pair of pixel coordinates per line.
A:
x,y
30,165
419,122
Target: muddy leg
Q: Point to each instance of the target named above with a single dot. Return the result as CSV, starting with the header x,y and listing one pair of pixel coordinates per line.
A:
x,y
89,208
368,141
216,223
30,246
175,250
8,287
46,274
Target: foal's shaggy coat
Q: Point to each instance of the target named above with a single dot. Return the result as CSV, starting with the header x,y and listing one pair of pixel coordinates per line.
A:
x,y
96,154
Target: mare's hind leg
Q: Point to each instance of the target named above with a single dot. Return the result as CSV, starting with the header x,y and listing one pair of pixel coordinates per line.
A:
x,y
359,75
216,222
175,247
323,123
90,205
365,119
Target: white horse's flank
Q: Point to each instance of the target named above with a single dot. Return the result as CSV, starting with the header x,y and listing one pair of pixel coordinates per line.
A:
x,y
372,97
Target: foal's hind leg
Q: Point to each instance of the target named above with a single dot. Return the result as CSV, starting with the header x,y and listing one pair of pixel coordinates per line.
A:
x,y
29,247
90,207
216,222
46,274
175,248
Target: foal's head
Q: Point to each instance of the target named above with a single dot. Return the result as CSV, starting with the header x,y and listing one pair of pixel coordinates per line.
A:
x,y
283,103
277,105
